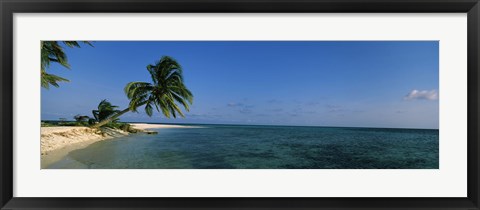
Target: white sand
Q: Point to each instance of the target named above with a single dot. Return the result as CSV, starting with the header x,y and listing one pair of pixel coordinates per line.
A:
x,y
57,142
54,138
143,126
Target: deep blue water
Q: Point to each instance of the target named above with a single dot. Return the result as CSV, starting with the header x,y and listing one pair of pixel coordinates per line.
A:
x,y
264,147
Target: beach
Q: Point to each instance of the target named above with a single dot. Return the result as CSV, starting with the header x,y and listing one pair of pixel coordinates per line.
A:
x,y
53,138
60,140
63,139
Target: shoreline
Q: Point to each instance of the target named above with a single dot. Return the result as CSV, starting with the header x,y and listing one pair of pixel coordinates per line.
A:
x,y
57,141
58,137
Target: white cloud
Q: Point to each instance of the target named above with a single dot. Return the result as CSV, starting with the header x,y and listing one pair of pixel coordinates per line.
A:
x,y
422,94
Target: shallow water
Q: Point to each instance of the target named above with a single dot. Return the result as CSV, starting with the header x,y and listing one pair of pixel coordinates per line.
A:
x,y
263,147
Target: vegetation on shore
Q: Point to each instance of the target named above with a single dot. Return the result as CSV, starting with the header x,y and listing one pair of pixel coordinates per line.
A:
x,y
115,125
104,110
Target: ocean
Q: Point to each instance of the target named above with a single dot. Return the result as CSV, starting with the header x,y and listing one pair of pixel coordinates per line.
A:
x,y
262,147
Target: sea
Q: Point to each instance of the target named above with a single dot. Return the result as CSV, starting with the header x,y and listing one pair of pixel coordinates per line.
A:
x,y
262,147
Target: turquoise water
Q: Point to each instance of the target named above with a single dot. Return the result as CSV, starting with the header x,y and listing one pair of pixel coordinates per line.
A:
x,y
263,147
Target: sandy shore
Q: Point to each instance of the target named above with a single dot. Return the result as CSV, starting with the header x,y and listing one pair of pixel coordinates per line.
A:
x,y
57,142
54,138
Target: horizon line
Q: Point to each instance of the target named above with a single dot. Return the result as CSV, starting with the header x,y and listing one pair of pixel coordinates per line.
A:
x,y
327,126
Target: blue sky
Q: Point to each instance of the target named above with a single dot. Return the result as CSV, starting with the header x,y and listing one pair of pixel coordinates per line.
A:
x,y
319,83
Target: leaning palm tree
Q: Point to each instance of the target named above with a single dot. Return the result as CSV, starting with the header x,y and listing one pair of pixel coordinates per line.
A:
x,y
166,90
52,51
104,111
81,118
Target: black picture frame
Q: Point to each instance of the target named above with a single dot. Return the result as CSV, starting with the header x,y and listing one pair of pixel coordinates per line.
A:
x,y
9,7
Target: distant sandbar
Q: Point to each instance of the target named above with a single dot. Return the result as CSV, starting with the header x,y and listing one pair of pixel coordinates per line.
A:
x,y
142,126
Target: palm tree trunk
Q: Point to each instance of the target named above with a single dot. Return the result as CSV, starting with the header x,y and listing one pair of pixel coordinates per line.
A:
x,y
110,119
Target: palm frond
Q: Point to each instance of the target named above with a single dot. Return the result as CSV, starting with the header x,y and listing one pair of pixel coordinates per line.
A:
x,y
51,79
133,89
105,110
165,92
52,51
149,109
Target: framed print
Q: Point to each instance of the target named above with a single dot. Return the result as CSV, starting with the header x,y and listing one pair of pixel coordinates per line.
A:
x,y
239,105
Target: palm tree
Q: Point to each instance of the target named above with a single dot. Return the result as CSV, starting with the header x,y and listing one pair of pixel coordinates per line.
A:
x,y
51,51
104,111
81,118
164,93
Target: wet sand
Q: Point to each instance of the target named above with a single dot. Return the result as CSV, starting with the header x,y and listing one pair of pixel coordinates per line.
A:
x,y
57,142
